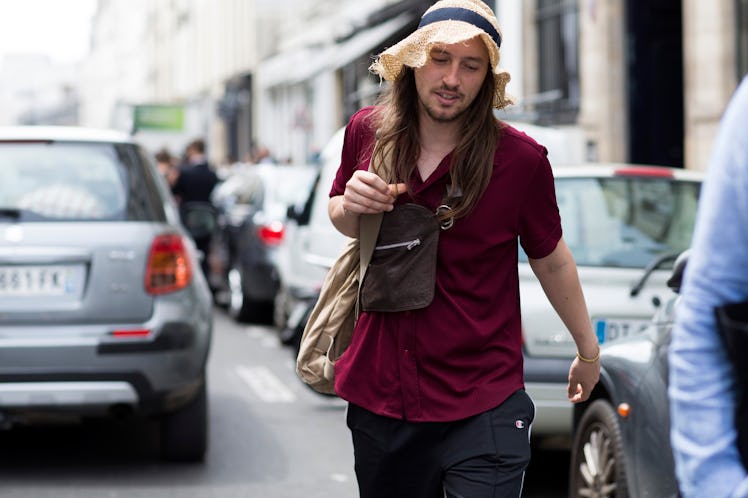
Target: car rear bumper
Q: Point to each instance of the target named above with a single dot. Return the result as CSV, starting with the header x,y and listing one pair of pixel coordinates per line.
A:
x,y
546,380
91,394
29,395
89,369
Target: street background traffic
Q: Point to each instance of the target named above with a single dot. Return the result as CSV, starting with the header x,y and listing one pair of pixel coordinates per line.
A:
x,y
270,437
285,74
624,81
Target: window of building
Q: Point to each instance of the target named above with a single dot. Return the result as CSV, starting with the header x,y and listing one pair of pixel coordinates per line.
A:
x,y
742,36
557,100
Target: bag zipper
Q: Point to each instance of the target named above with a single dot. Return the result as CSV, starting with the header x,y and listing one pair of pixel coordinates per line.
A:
x,y
408,245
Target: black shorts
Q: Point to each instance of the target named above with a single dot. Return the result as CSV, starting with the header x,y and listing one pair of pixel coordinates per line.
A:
x,y
480,457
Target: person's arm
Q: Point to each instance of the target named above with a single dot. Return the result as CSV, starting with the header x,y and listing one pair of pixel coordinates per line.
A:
x,y
365,193
558,276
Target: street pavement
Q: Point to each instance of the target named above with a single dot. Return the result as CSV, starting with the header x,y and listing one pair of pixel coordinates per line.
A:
x,y
270,437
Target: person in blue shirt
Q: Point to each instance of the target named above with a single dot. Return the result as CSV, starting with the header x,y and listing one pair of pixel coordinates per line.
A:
x,y
702,382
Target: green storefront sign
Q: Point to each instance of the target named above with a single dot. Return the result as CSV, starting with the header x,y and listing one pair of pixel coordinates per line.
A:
x,y
159,117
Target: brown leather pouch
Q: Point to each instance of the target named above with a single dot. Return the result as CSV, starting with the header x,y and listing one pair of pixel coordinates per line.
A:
x,y
402,273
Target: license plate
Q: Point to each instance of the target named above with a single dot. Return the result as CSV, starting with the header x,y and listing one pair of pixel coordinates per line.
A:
x,y
613,329
34,281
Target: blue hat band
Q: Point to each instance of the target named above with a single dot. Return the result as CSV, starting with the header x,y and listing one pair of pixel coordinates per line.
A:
x,y
465,15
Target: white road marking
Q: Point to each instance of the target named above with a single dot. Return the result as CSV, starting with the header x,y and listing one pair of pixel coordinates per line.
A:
x,y
270,343
266,339
255,332
265,384
340,477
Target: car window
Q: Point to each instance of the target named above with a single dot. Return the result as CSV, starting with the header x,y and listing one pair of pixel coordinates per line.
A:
x,y
46,181
289,185
271,189
242,189
625,222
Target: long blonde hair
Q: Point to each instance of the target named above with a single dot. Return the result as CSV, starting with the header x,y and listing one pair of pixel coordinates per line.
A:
x,y
398,145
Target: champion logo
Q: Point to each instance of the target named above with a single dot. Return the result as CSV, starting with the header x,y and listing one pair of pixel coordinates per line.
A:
x,y
519,424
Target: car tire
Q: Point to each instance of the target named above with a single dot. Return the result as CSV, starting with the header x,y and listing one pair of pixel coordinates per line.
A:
x,y
184,433
597,464
239,306
298,331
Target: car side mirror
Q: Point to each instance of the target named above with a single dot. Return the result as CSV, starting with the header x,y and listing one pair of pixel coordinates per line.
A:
x,y
299,214
292,213
679,267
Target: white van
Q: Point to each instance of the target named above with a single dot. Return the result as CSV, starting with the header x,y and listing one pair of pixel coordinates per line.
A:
x,y
313,244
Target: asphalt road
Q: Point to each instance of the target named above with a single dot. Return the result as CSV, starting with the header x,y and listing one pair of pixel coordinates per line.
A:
x,y
271,437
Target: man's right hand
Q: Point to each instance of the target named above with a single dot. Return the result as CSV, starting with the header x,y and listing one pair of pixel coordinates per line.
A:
x,y
366,192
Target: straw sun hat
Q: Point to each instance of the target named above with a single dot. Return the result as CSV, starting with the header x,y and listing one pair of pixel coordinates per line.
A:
x,y
447,22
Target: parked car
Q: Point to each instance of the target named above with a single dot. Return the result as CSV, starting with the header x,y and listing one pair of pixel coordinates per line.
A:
x,y
625,225
622,433
252,205
103,308
310,248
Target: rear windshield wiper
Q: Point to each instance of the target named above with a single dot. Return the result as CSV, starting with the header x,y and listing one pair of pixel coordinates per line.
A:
x,y
10,212
657,262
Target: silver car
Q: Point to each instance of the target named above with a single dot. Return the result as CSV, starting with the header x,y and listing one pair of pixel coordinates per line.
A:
x,y
103,307
625,224
622,433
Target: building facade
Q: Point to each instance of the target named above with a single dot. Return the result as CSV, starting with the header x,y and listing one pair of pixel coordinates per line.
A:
x,y
643,81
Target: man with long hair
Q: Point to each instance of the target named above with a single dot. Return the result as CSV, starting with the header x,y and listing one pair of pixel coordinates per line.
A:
x,y
436,395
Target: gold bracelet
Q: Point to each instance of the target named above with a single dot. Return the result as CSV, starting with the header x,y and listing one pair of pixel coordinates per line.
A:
x,y
589,360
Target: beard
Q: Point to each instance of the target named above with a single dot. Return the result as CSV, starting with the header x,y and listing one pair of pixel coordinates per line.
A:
x,y
443,115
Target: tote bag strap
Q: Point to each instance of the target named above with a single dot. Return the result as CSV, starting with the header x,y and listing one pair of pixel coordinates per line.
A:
x,y
369,229
370,224
368,232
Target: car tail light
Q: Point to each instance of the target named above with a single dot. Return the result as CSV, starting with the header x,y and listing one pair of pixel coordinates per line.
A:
x,y
272,233
131,333
651,171
169,267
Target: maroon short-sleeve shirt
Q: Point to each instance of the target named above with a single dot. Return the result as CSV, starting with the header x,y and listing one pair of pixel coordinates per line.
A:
x,y
462,354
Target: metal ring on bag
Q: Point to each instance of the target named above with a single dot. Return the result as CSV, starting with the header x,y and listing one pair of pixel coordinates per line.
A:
x,y
447,223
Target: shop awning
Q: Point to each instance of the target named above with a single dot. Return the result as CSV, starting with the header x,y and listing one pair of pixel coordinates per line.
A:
x,y
368,40
296,66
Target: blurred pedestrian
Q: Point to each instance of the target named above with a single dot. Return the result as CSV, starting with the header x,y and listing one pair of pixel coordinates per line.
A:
x,y
702,382
261,155
196,179
436,395
194,184
167,165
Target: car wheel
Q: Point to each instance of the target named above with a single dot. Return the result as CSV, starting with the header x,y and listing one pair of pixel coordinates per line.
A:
x,y
184,433
597,466
298,330
239,307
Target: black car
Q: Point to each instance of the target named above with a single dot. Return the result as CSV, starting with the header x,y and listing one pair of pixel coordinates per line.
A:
x,y
252,204
621,435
